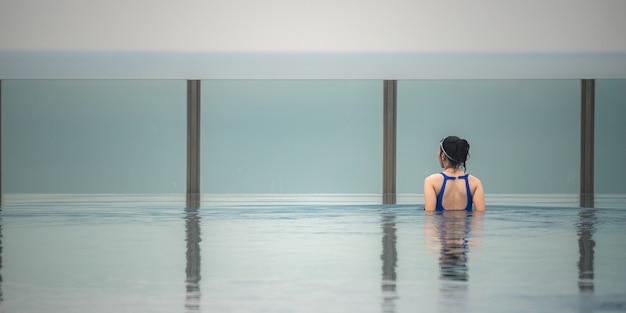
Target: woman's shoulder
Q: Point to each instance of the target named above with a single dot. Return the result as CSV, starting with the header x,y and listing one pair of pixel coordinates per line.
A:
x,y
434,177
474,179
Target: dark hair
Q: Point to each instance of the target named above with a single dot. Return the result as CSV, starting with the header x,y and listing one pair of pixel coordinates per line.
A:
x,y
456,150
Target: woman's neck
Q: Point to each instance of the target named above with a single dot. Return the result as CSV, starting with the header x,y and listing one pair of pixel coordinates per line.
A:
x,y
453,170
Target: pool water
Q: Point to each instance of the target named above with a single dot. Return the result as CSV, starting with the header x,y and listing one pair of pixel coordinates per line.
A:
x,y
154,254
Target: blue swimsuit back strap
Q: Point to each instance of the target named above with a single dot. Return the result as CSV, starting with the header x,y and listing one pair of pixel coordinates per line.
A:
x,y
468,207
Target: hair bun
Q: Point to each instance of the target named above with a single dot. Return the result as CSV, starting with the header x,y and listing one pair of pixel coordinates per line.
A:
x,y
462,150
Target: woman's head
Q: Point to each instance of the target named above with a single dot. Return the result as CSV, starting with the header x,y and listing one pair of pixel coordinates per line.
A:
x,y
455,150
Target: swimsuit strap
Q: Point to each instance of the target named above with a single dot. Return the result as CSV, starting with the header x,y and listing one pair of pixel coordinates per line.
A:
x,y
469,192
439,206
468,207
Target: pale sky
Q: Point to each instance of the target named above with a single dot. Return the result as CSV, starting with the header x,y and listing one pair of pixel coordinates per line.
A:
x,y
314,26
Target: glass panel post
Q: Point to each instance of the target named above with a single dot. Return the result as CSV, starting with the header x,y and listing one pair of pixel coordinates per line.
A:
x,y
389,144
193,140
586,144
0,141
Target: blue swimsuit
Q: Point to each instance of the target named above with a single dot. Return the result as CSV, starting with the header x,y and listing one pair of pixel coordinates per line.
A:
x,y
443,188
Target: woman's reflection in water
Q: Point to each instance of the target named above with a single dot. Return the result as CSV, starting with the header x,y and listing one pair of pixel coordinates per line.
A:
x,y
450,234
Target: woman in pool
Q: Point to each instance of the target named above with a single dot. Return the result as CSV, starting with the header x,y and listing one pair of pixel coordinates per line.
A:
x,y
453,188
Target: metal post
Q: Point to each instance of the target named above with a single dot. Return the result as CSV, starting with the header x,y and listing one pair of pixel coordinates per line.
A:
x,y
192,303
0,141
1,295
193,140
587,142
389,141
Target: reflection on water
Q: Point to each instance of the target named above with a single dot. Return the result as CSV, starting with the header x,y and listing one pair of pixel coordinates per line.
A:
x,y
452,233
192,282
1,296
127,256
390,260
586,244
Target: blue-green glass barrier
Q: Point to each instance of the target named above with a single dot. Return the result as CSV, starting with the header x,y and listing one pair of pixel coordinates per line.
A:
x,y
524,135
610,137
93,136
291,136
